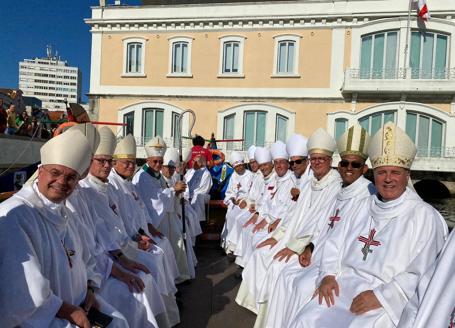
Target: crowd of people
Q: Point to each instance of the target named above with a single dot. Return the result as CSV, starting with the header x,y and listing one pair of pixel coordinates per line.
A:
x,y
91,241
323,247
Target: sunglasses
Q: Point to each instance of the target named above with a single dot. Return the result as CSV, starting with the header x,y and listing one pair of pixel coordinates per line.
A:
x,y
297,162
103,161
157,161
354,165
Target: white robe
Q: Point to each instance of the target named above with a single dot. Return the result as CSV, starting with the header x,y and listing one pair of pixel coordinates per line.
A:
x,y
199,184
289,285
102,200
237,189
140,309
37,274
433,305
132,211
316,200
410,234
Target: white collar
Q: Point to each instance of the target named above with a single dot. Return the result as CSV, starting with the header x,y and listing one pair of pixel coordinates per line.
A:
x,y
97,184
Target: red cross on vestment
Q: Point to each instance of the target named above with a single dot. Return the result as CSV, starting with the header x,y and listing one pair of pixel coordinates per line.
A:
x,y
368,242
334,219
239,186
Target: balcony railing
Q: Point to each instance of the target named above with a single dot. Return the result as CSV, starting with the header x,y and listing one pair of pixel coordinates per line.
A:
x,y
400,73
435,152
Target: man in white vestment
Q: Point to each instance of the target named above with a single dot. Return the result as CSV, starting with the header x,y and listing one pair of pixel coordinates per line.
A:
x,y
385,252
48,275
433,304
247,205
103,201
292,285
237,190
293,235
296,147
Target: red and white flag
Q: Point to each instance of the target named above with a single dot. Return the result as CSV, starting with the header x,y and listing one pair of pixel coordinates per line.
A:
x,y
423,10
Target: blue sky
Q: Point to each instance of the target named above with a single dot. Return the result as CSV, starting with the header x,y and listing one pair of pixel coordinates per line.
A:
x,y
27,26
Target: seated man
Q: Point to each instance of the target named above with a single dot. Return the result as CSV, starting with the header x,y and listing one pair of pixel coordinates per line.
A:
x,y
386,251
47,276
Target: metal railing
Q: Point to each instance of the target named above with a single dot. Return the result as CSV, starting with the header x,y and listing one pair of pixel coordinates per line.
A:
x,y
400,73
435,152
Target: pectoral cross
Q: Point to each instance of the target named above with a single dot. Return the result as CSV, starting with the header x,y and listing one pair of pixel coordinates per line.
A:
x,y
368,242
113,208
239,186
69,253
334,219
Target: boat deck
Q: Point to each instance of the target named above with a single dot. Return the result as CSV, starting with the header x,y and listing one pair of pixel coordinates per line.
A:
x,y
209,300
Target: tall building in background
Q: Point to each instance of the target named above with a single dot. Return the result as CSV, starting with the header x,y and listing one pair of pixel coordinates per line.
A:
x,y
51,80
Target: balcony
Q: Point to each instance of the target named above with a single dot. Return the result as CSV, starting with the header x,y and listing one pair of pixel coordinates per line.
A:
x,y
407,81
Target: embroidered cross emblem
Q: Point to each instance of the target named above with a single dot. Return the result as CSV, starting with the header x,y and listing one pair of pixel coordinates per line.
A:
x,y
239,186
368,242
334,219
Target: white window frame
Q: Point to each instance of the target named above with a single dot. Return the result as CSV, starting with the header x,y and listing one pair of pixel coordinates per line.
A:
x,y
287,37
177,39
241,41
126,41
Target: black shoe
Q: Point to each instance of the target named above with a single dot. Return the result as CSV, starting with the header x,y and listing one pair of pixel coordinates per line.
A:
x,y
238,273
231,257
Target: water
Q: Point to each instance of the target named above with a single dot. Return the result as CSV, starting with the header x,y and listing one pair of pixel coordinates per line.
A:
x,y
446,207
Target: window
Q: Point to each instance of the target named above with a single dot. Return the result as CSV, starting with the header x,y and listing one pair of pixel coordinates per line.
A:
x,y
180,54
254,128
128,119
134,57
426,132
378,57
372,123
175,128
341,125
231,59
228,130
428,58
281,128
286,55
152,123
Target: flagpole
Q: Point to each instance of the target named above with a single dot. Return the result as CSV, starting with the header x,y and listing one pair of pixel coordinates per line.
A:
x,y
406,48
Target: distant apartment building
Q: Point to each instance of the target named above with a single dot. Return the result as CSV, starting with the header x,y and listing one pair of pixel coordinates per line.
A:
x,y
51,80
260,71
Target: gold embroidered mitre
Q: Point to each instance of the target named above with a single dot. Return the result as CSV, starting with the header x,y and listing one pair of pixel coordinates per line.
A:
x,y
391,146
320,142
156,147
126,148
354,141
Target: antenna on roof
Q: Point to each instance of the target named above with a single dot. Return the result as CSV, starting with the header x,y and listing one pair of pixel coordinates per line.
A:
x,y
49,51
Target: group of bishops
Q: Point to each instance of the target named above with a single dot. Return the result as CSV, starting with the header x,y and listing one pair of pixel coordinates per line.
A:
x,y
92,241
323,247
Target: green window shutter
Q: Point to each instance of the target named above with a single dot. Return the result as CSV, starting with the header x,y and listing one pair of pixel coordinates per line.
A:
x,y
159,114
424,135
341,125
415,55
411,124
378,56
391,56
260,129
365,57
440,57
436,138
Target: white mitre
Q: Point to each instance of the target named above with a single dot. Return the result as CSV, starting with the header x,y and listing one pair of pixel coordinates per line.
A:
x,y
262,155
107,142
156,147
90,132
354,141
126,148
251,151
320,142
236,159
391,146
70,149
297,145
278,150
171,157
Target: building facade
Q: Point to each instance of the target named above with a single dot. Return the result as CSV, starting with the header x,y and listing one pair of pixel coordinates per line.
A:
x,y
259,71
51,80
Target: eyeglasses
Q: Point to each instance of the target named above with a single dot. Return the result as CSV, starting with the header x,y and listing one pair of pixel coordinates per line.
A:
x,y
319,159
127,163
157,161
297,161
103,161
56,174
354,165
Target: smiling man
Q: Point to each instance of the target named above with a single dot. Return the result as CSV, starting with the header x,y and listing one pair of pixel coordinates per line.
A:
x,y
386,251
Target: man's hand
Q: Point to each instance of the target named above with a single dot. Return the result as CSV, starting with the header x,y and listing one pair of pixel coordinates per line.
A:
x,y
260,226
131,265
179,187
242,204
143,244
364,302
326,289
295,192
253,220
273,226
270,241
135,284
305,257
284,254
252,208
74,314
